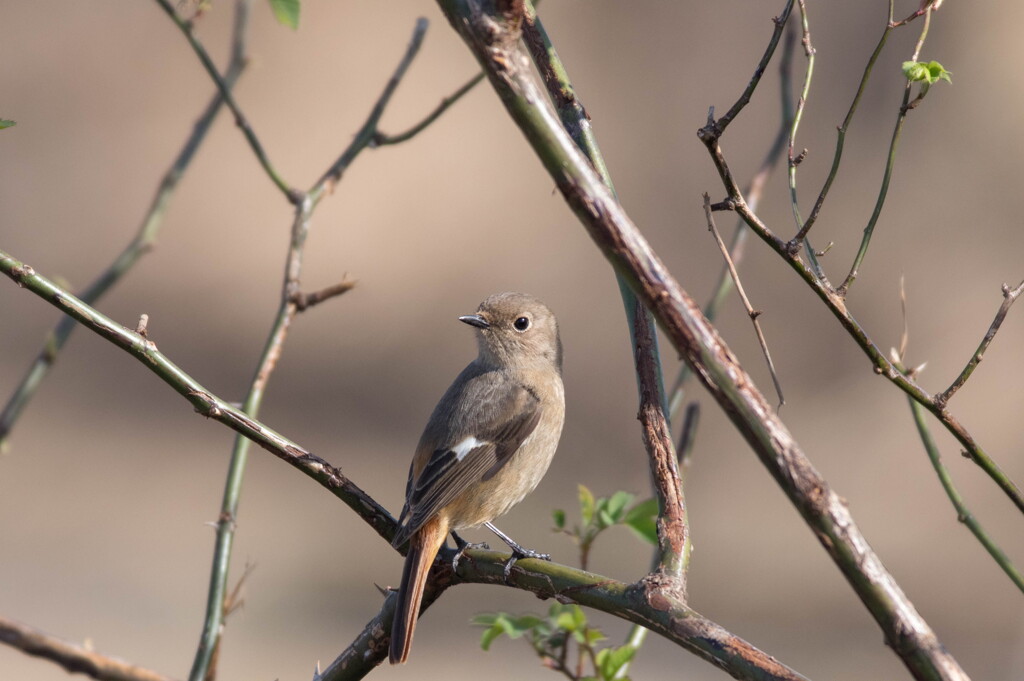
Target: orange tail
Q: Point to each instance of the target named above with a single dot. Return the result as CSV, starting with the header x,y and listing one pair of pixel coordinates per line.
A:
x,y
423,547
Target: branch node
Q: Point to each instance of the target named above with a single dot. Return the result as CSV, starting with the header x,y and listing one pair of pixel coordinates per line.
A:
x,y
141,327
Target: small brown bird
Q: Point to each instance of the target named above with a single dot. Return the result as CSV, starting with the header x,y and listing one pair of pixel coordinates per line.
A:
x,y
486,446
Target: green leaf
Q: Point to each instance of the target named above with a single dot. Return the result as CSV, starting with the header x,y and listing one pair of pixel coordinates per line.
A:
x,y
927,73
605,518
645,528
485,619
586,504
613,659
5,123
648,508
559,517
617,503
489,635
287,12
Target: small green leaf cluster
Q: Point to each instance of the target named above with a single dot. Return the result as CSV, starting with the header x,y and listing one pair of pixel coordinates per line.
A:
x,y
597,514
5,123
926,72
286,12
553,638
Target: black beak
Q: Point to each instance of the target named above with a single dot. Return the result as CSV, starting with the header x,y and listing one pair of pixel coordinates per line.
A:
x,y
475,320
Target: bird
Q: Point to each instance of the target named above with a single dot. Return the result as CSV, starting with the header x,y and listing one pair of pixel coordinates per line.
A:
x,y
487,444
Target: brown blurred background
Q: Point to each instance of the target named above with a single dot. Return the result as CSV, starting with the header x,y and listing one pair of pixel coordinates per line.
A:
x,y
111,478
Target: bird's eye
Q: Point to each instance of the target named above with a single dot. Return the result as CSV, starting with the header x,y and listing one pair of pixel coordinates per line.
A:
x,y
521,324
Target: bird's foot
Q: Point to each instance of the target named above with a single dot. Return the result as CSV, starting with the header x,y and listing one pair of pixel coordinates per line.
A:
x,y
461,546
517,551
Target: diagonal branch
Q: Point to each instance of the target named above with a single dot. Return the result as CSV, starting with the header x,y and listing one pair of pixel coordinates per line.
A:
x,y
240,120
673,532
963,514
204,402
493,36
1009,295
381,139
74,658
143,240
751,312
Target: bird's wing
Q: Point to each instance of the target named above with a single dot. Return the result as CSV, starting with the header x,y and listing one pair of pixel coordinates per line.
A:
x,y
504,415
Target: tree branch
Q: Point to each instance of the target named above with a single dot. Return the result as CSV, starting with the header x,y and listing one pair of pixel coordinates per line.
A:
x,y
240,120
204,402
73,658
641,603
493,36
1009,295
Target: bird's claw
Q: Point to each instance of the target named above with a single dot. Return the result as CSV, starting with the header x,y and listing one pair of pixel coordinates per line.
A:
x,y
461,546
522,553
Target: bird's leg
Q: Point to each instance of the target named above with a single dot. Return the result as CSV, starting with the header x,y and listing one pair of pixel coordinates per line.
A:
x,y
461,546
517,550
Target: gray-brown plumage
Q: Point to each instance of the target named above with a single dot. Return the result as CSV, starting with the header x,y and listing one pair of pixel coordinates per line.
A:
x,y
487,444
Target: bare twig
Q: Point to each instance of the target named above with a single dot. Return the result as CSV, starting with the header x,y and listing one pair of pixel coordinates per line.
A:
x,y
795,160
381,139
883,191
143,240
303,301
240,120
751,312
796,241
142,328
780,23
74,658
753,193
837,305
1009,295
368,133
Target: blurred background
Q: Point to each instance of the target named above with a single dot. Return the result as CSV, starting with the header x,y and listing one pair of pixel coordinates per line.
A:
x,y
110,480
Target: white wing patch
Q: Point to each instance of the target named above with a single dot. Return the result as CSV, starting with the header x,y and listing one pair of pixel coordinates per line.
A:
x,y
465,447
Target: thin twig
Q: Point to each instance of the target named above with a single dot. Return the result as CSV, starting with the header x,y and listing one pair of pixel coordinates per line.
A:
x,y
744,99
367,134
74,658
890,163
288,307
381,139
751,312
963,514
754,191
796,241
304,301
240,120
1009,295
140,244
837,305
794,160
